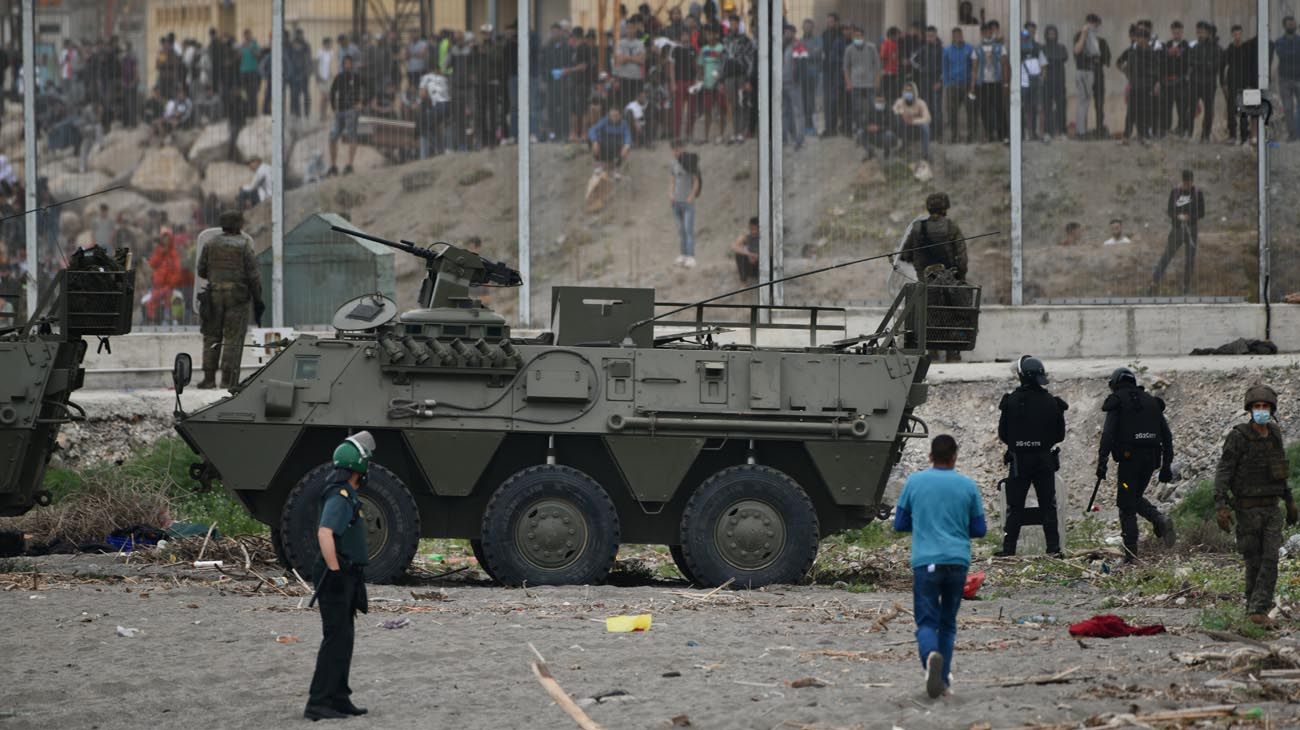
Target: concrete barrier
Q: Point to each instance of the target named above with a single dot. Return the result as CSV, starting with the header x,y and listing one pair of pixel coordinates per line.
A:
x,y
1056,332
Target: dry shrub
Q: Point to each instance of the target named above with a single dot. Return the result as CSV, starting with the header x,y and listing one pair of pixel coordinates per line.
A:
x,y
107,501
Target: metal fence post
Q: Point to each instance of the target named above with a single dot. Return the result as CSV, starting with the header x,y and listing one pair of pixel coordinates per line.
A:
x,y
769,156
277,163
29,152
1017,152
525,136
1265,263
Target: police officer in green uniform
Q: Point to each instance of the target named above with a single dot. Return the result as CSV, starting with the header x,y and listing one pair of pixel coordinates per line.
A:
x,y
1137,436
340,579
1251,478
936,248
228,263
1031,425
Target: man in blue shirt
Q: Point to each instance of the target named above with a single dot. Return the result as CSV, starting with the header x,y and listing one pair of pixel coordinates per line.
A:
x,y
943,511
958,58
611,139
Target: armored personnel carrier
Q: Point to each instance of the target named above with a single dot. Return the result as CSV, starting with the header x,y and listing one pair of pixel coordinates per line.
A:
x,y
40,368
627,422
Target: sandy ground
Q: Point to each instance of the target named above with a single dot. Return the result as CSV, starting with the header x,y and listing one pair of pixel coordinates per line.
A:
x,y
207,653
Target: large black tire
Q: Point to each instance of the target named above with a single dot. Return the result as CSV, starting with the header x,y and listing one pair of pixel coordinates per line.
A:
x,y
277,543
751,523
679,559
388,509
550,525
477,547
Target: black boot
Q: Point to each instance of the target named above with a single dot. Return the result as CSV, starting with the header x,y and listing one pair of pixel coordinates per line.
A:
x,y
209,380
345,706
1008,549
1130,553
323,712
1165,531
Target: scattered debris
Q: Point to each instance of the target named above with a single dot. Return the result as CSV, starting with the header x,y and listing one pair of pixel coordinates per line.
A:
x,y
681,721
1110,626
1058,678
126,633
628,624
808,682
396,623
287,639
557,693
434,595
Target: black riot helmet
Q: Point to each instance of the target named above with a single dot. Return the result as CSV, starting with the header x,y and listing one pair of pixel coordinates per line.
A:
x,y
936,203
1030,370
1121,376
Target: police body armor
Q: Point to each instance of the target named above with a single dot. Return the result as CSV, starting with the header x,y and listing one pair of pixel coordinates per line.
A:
x,y
932,255
1263,469
1140,420
1034,414
226,266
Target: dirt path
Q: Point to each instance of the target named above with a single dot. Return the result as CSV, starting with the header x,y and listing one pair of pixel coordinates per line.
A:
x,y
207,652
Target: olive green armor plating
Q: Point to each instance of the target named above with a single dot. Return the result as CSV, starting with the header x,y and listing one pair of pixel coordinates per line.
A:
x,y
616,426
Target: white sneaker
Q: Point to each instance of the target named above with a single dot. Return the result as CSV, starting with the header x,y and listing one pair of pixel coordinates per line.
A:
x,y
689,262
934,675
680,260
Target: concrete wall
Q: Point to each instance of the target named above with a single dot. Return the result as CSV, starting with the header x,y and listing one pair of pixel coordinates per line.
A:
x,y
144,359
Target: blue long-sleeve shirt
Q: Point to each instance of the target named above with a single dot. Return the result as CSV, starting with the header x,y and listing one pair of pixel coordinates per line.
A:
x,y
943,510
604,131
957,65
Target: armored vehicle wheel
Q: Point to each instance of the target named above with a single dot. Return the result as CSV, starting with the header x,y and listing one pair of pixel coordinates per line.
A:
x,y
679,558
387,508
550,525
277,543
751,523
477,547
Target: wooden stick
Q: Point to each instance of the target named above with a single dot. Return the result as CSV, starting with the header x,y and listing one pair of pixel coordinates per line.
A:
x,y
709,595
264,580
206,537
1058,678
561,697
248,562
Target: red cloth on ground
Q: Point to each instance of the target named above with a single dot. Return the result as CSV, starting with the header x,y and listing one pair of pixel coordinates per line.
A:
x,y
973,583
1110,626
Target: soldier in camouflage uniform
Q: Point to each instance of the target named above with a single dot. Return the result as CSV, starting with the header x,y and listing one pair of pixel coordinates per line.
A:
x,y
227,262
1251,478
938,265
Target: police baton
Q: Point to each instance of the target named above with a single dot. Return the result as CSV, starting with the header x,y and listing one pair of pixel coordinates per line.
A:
x,y
1093,498
319,584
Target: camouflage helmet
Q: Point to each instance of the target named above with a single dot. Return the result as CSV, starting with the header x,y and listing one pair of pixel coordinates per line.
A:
x,y
355,452
1121,375
936,203
231,220
1261,394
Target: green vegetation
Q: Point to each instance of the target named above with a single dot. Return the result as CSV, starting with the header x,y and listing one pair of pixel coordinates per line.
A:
x,y
157,476
1231,617
874,535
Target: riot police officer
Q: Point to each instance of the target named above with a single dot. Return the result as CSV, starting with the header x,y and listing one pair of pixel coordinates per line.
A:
x,y
1031,425
1252,477
936,248
1136,435
228,263
340,579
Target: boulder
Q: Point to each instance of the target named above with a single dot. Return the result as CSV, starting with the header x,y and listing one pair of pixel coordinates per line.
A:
x,y
133,203
368,159
211,144
178,211
255,139
164,171
121,152
224,179
65,185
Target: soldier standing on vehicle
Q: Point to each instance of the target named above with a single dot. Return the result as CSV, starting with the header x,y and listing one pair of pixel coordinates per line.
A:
x,y
1137,436
1251,478
936,248
1032,423
227,262
340,579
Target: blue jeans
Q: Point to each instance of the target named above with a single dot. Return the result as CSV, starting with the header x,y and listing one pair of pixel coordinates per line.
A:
x,y
1290,92
792,122
935,599
684,213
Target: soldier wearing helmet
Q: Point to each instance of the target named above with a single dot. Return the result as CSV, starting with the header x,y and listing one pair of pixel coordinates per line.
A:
x,y
340,578
1031,425
936,248
227,262
1136,435
1249,482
